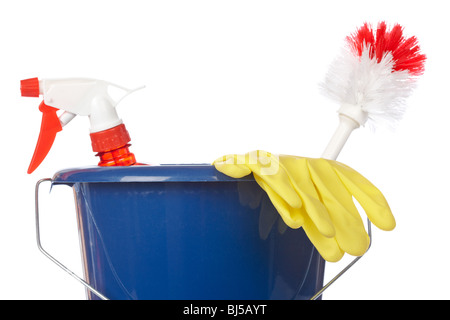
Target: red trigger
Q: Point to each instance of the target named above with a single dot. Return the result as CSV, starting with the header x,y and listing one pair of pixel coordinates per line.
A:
x,y
50,126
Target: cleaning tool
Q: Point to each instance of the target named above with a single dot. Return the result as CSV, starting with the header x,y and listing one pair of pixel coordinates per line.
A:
x,y
316,194
166,231
85,97
371,79
187,231
183,232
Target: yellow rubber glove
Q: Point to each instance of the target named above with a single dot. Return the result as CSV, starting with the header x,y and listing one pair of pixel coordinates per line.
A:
x,y
316,194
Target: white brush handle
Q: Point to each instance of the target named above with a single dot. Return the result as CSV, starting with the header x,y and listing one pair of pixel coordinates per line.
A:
x,y
350,118
340,137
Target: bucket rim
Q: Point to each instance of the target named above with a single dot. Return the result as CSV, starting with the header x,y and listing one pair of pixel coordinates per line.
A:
x,y
144,173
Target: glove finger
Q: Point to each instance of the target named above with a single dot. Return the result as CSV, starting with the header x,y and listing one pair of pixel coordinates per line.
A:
x,y
293,217
327,247
268,168
305,188
232,165
238,166
369,197
351,234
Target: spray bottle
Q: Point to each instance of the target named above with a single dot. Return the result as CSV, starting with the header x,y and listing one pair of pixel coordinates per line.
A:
x,y
86,97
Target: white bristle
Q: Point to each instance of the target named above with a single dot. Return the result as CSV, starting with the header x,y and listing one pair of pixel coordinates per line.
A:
x,y
371,85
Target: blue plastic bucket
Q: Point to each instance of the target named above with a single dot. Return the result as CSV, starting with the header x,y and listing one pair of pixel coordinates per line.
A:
x,y
187,232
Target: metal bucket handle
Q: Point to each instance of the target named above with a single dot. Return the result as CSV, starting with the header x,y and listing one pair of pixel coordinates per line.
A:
x,y
59,264
101,296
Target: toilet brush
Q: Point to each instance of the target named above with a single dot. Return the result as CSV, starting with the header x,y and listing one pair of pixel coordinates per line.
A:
x,y
371,79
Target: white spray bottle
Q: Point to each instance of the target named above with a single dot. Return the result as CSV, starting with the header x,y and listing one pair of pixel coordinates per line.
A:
x,y
85,97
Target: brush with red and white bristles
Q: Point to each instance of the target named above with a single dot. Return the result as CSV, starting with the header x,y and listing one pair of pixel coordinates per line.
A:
x,y
371,79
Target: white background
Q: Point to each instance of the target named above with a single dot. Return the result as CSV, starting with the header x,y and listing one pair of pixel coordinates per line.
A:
x,y
223,77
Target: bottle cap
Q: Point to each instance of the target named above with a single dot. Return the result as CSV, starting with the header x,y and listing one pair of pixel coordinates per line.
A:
x,y
110,139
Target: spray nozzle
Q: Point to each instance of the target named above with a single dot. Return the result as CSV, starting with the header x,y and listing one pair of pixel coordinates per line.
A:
x,y
29,87
77,96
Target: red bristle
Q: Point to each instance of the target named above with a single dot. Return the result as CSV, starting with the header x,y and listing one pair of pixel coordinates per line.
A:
x,y
363,38
407,57
405,52
394,38
380,42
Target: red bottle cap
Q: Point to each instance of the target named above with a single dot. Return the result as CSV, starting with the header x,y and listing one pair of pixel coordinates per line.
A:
x,y
110,139
29,87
